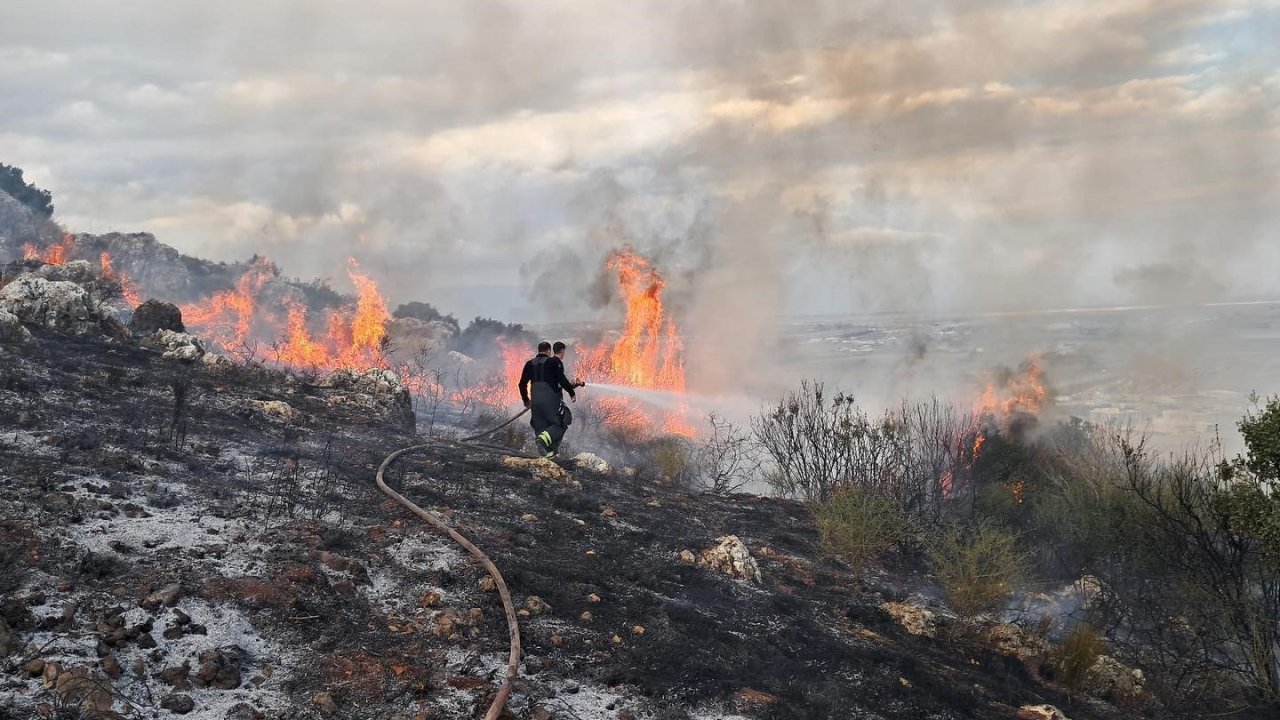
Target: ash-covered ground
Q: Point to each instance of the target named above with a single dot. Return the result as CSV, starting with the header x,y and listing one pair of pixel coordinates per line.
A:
x,y
202,538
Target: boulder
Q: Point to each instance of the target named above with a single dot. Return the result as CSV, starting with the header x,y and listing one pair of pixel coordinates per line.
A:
x,y
590,461
178,703
11,329
154,315
220,668
58,305
730,556
76,271
277,410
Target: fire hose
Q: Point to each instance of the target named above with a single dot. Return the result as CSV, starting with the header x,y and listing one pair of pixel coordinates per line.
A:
x,y
513,658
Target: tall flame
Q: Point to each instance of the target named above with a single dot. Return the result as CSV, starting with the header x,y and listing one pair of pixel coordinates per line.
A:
x,y
56,254
648,352
127,288
227,318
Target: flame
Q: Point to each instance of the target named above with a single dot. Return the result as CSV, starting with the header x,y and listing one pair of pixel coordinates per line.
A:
x,y
648,352
127,288
57,254
227,318
1009,402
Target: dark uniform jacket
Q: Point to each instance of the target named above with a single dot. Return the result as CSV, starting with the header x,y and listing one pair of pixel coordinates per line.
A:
x,y
548,371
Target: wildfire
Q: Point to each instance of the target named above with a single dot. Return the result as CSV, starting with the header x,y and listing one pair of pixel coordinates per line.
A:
x,y
127,288
227,318
353,337
1010,404
57,254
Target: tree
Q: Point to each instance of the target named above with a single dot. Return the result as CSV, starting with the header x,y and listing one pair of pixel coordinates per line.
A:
x,y
37,200
425,312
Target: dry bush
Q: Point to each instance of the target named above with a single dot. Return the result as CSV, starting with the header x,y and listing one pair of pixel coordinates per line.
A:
x,y
977,565
858,526
726,459
1077,652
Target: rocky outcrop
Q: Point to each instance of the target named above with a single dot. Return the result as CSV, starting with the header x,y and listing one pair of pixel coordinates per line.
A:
x,y
154,315
730,556
75,271
542,468
56,305
1040,712
376,390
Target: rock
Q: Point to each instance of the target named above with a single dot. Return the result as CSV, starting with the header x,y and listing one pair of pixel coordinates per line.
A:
x,y
178,703
542,468
376,389
323,701
609,512
57,305
915,620
487,584
176,676
111,667
687,557
166,596
9,642
590,461
1112,680
1016,641
730,556
90,691
429,599
11,329
541,713
536,605
175,345
244,711
528,517
593,598
73,271
1040,712
33,667
586,616
750,696
154,315
220,668
637,630
278,410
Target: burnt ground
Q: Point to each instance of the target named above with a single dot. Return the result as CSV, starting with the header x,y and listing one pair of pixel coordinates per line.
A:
x,y
175,537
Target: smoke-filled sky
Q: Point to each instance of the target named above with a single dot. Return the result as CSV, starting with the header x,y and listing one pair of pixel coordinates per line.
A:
x,y
813,156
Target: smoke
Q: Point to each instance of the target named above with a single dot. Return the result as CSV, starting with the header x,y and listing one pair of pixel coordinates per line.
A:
x,y
773,159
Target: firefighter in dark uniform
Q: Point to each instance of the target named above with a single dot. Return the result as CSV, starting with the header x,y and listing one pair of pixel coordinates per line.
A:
x,y
542,387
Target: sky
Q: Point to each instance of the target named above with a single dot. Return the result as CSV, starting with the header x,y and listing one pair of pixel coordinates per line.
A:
x,y
774,158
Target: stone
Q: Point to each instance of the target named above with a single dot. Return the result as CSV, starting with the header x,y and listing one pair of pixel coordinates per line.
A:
x,y
277,410
323,701
244,711
586,616
487,584
154,315
81,687
73,271
528,517
430,599
220,668
687,557
915,620
166,596
11,329
1112,680
377,389
590,461
609,512
34,667
1040,712
541,713
730,556
536,605
593,598
178,703
175,345
541,468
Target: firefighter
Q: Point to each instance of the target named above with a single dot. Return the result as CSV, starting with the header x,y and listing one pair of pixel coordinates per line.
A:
x,y
542,387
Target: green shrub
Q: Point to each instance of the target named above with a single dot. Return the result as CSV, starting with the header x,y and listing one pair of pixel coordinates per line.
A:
x,y
977,565
858,526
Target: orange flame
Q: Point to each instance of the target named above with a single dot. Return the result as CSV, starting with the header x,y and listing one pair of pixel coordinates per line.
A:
x,y
227,318
127,288
57,254
647,354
